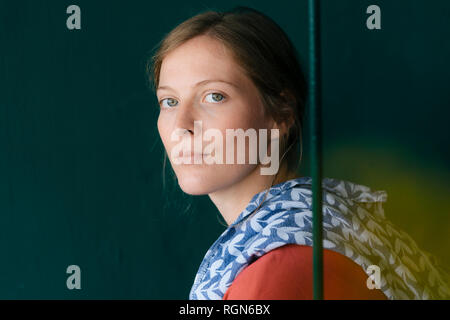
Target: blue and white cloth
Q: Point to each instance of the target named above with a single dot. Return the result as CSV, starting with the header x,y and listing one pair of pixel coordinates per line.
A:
x,y
353,225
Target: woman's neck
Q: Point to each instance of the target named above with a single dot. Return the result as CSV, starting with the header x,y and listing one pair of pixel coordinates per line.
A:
x,y
231,201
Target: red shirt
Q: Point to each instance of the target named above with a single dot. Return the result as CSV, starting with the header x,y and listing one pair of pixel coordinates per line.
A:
x,y
285,273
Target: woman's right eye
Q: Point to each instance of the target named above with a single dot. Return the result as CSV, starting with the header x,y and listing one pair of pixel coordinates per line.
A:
x,y
168,103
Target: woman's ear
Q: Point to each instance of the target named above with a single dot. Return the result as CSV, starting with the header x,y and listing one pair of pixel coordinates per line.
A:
x,y
289,102
287,117
283,129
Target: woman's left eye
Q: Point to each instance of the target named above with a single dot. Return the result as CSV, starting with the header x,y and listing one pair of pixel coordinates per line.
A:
x,y
214,97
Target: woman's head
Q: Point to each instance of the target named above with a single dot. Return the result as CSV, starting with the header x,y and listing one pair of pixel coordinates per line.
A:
x,y
232,70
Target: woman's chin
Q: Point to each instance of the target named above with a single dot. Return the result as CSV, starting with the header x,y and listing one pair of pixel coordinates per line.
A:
x,y
206,180
195,185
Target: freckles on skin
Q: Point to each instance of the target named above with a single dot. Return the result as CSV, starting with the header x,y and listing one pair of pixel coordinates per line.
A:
x,y
199,59
196,60
204,58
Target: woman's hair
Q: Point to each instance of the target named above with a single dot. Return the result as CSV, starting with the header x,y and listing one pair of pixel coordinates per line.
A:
x,y
267,56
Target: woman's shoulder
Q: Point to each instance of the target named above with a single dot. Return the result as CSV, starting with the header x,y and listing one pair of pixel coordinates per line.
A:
x,y
285,273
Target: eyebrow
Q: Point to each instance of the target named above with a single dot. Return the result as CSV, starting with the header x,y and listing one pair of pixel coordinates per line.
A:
x,y
201,83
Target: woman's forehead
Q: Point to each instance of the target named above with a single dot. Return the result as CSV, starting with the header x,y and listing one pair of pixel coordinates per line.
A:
x,y
201,58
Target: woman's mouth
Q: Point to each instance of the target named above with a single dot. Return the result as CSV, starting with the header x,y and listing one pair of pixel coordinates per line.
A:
x,y
190,157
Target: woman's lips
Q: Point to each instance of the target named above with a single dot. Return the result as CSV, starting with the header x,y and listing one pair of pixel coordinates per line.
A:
x,y
191,156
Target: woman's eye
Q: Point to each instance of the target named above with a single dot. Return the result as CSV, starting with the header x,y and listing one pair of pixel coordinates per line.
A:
x,y
214,97
168,102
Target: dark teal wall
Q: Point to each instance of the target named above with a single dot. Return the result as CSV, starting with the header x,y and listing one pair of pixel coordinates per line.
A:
x,y
81,160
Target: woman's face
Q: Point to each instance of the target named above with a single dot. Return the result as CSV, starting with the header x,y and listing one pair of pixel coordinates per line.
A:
x,y
200,81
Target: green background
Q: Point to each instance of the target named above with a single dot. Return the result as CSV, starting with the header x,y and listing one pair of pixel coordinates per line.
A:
x,y
81,159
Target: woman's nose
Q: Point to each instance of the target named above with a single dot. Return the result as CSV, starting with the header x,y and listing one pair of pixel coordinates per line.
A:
x,y
185,117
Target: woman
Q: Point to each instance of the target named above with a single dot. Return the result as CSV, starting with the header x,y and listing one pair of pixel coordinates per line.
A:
x,y
223,72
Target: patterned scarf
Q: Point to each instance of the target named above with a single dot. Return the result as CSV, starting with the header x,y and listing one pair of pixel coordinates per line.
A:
x,y
353,225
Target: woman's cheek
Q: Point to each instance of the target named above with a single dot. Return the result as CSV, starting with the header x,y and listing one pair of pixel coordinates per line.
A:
x,y
163,129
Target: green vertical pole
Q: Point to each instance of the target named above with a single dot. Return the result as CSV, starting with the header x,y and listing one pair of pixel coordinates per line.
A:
x,y
316,144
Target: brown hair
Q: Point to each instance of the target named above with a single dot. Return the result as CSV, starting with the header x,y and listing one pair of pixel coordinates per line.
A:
x,y
265,53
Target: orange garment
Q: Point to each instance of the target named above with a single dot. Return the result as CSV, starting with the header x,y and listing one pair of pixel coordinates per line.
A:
x,y
285,273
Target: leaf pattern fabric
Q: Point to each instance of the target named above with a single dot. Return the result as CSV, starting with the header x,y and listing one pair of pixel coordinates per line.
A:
x,y
354,225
